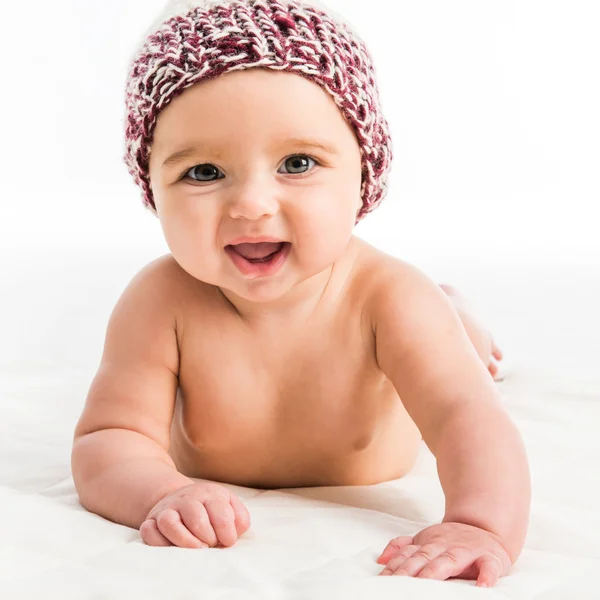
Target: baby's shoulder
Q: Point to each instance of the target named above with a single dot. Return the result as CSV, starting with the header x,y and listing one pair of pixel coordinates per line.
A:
x,y
381,278
171,287
171,278
377,272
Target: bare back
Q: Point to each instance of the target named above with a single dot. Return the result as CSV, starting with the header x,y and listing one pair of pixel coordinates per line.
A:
x,y
305,406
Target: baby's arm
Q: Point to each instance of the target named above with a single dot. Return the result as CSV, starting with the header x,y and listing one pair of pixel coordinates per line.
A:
x,y
121,467
423,349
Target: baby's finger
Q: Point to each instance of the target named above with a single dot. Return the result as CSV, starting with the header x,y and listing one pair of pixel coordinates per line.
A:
x,y
170,525
490,569
222,519
151,535
497,353
196,519
242,516
401,555
393,547
451,563
399,565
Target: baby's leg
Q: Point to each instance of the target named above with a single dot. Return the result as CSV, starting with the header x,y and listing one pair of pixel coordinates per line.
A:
x,y
480,337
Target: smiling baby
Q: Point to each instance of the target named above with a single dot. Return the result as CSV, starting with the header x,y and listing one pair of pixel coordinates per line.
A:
x,y
271,347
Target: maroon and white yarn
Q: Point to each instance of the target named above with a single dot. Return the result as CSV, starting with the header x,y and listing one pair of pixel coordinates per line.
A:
x,y
195,40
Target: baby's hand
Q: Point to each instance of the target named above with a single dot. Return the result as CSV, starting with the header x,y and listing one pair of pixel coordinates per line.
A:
x,y
448,550
199,515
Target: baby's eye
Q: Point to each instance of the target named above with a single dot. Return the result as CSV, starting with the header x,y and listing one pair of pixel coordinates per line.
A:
x,y
206,172
297,162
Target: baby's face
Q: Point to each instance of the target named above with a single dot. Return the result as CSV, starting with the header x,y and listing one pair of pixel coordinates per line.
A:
x,y
246,176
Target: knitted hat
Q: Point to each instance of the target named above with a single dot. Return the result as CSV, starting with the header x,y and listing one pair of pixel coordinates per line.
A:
x,y
194,40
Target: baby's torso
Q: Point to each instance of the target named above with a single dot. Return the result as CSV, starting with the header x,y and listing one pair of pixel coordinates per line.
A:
x,y
305,405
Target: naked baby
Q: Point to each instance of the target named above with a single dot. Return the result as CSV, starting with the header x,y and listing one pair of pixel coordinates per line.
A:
x,y
271,347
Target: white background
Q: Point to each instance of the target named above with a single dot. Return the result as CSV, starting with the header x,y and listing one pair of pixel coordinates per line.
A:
x,y
493,109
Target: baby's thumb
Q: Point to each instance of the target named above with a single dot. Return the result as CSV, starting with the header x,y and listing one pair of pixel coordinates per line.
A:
x,y
242,516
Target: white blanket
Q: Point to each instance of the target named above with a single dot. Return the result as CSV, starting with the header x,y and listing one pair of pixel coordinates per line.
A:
x,y
303,543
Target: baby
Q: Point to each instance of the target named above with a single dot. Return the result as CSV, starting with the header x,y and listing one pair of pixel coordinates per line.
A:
x,y
272,348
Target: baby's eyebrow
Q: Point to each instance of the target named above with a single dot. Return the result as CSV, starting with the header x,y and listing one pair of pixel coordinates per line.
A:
x,y
188,151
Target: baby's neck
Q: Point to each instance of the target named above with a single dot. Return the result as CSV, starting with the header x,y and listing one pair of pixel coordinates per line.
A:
x,y
295,307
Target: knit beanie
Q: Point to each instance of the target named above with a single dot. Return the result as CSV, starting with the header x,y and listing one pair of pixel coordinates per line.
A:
x,y
195,40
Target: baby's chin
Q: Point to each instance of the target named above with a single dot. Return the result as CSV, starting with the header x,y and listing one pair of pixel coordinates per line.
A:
x,y
273,285
294,289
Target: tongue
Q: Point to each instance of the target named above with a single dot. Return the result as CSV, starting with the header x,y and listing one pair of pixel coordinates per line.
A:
x,y
260,250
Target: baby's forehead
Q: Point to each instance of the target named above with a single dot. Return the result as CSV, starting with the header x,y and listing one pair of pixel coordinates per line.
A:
x,y
256,78
260,102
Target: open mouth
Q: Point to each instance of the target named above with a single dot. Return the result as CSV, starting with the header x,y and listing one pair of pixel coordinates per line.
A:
x,y
259,259
263,259
262,252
